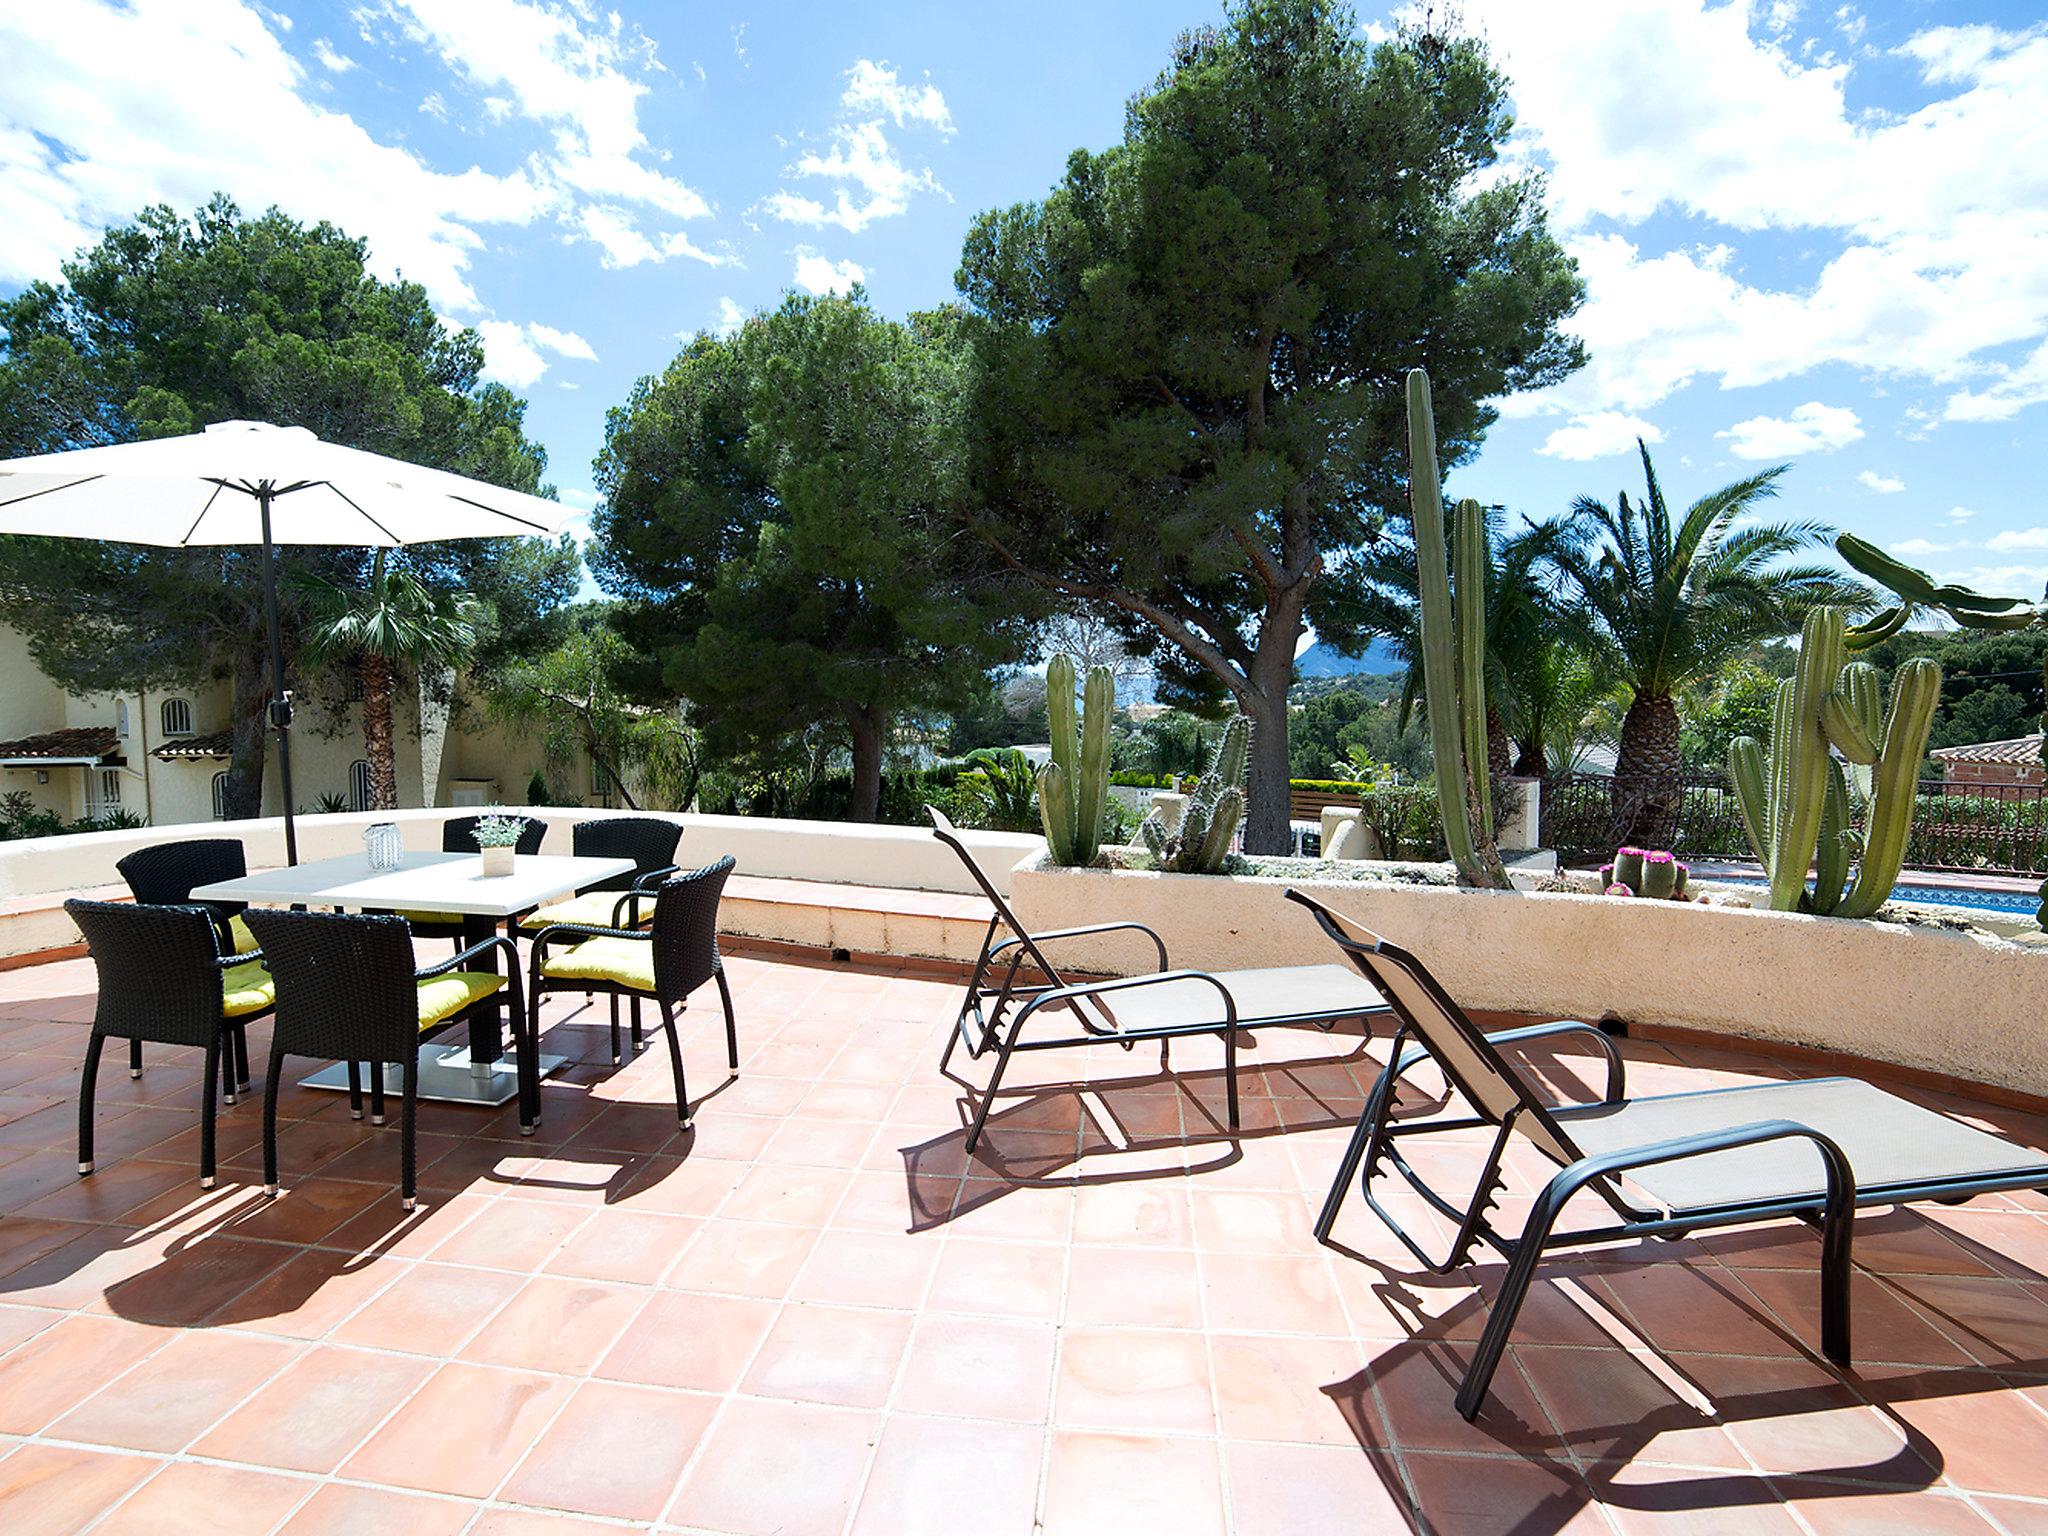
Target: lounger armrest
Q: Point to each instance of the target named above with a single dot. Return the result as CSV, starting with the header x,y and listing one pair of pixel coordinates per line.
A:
x,y
1616,1068
1092,928
654,877
1841,1182
1123,984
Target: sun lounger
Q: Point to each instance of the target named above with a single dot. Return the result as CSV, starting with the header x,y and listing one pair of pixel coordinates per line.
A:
x,y
1160,1005
1663,1166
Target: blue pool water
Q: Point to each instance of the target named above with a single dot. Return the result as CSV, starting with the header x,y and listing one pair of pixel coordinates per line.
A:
x,y
2022,903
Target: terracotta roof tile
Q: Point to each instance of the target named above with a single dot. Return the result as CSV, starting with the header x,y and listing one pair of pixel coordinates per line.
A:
x,y
2020,749
94,741
212,744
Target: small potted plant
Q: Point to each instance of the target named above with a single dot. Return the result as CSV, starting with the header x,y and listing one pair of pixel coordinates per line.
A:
x,y
497,839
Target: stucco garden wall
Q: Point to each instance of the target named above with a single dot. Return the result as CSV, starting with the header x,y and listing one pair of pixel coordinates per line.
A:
x,y
1927,998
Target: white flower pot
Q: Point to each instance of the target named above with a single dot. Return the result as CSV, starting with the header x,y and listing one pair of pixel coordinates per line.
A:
x,y
498,861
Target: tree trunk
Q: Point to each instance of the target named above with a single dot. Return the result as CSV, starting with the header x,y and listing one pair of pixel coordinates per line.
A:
x,y
1647,771
1499,753
868,727
249,691
1530,759
1267,827
379,747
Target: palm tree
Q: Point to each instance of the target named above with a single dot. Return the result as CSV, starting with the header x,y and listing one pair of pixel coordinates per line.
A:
x,y
394,621
1524,615
1673,602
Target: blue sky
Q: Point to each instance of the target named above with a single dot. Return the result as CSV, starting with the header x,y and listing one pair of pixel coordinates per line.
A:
x,y
1812,232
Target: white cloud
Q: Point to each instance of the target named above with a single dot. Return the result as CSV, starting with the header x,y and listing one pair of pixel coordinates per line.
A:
x,y
581,78
1961,514
815,274
89,134
1913,547
1599,435
1811,428
730,317
434,105
1880,485
2018,538
1927,228
873,87
873,181
331,60
2002,580
513,352
2012,390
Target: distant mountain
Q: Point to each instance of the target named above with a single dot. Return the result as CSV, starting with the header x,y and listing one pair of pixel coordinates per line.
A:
x,y
1321,660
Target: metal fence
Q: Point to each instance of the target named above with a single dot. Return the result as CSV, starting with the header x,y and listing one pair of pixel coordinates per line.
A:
x,y
1587,816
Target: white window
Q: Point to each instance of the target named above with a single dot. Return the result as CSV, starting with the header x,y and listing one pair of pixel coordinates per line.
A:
x,y
359,784
110,788
177,717
220,797
121,718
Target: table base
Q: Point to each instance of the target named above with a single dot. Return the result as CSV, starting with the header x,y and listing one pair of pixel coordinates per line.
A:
x,y
447,1076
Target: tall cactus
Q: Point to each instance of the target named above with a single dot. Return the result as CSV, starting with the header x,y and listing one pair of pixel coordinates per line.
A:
x,y
1795,804
1453,649
1208,824
1073,789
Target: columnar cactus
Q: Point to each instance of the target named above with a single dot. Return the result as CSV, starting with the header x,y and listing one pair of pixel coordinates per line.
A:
x,y
1073,789
1795,803
1208,823
1453,649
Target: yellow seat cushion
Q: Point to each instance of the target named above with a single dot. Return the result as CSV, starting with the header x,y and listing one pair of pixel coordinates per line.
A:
x,y
593,909
246,988
240,936
443,997
431,917
629,962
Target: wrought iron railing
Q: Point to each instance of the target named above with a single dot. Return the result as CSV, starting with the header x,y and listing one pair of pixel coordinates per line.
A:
x,y
1955,826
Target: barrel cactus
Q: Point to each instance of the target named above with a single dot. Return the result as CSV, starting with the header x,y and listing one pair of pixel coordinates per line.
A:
x,y
1795,801
1073,789
1209,821
1650,872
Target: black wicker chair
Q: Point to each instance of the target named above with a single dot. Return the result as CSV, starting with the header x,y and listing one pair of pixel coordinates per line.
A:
x,y
667,962
347,990
458,836
163,875
623,901
163,978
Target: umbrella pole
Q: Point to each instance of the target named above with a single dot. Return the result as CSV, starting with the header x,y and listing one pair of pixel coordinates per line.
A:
x,y
280,701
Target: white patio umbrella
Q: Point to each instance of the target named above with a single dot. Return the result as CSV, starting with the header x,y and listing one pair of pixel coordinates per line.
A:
x,y
247,482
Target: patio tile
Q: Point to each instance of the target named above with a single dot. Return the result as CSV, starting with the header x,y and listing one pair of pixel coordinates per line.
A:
x,y
190,1499
1301,1390
840,1355
1134,1287
190,1384
998,1279
65,1364
1283,1490
557,1325
510,1234
1271,1294
55,1490
751,1481
688,1340
461,1431
983,1368
634,1247
615,1451
938,1477
1124,1379
1133,1485
318,1409
429,1310
868,1269
340,1510
309,1294
744,1258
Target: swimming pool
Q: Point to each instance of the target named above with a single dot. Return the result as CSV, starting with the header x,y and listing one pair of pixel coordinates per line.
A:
x,y
2018,903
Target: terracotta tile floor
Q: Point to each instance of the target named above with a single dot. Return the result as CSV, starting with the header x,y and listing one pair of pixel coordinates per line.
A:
x,y
817,1314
